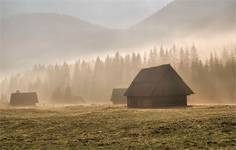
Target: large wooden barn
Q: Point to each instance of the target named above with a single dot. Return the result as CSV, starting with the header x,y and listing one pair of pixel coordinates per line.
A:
x,y
118,96
23,99
157,87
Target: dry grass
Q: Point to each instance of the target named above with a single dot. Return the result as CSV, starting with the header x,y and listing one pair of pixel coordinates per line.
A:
x,y
94,127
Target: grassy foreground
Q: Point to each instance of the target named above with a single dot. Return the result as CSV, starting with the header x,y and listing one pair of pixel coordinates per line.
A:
x,y
103,127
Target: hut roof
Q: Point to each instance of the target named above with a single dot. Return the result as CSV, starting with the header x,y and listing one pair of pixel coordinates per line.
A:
x,y
23,99
118,93
158,81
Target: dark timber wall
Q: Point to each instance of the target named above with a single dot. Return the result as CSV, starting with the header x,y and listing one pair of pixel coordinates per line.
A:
x,y
24,99
155,102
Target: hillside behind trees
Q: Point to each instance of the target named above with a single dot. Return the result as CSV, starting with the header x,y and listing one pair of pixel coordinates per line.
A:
x,y
47,37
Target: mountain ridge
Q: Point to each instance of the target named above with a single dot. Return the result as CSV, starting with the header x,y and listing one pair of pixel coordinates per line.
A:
x,y
193,16
42,37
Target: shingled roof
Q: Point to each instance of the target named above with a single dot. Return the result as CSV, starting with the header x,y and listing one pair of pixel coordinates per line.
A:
x,y
158,81
118,93
118,96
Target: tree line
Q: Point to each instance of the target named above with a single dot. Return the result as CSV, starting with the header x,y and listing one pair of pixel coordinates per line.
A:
x,y
213,79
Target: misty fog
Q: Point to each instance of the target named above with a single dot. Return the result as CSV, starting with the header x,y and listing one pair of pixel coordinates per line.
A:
x,y
94,80
65,53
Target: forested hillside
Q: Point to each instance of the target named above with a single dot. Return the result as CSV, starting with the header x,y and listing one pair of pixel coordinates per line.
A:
x,y
213,79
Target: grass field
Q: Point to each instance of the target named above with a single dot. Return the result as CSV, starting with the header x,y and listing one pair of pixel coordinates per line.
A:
x,y
104,127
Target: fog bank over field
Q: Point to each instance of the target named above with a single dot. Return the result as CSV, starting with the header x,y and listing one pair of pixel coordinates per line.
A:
x,y
213,79
57,53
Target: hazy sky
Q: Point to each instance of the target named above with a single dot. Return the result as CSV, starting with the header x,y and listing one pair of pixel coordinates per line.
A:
x,y
111,13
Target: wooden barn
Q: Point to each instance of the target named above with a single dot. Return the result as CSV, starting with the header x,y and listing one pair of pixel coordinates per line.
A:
x,y
118,96
23,99
157,87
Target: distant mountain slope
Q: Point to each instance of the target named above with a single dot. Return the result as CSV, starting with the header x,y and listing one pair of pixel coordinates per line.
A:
x,y
187,17
41,37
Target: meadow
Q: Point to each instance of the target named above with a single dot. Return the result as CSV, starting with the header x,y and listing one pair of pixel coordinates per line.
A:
x,y
116,127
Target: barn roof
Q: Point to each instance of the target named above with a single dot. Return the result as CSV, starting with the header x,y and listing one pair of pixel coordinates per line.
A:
x,y
118,93
158,81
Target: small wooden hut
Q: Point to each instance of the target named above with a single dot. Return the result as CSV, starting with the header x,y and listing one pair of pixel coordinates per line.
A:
x,y
157,87
118,96
24,99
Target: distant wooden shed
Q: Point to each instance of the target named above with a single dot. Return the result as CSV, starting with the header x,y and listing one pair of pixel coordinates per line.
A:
x,y
24,99
118,96
157,87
